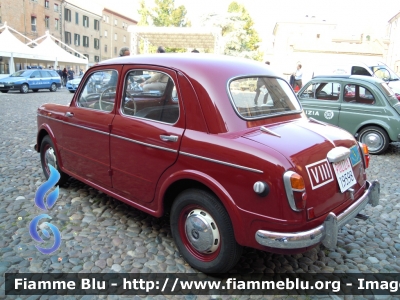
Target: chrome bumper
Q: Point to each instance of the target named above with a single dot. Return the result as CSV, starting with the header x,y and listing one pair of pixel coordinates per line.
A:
x,y
325,233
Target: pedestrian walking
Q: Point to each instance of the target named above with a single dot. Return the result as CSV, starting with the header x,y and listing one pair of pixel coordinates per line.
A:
x,y
124,51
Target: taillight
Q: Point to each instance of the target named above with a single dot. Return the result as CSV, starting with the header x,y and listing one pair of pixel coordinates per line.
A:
x,y
295,190
365,151
398,96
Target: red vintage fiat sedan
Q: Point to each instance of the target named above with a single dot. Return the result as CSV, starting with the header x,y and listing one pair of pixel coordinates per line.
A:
x,y
234,167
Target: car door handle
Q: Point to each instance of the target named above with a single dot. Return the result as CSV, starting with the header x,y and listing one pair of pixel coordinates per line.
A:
x,y
69,114
169,138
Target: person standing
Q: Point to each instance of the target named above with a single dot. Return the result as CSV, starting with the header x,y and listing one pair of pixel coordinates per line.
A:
x,y
71,74
261,85
64,76
59,72
298,75
160,49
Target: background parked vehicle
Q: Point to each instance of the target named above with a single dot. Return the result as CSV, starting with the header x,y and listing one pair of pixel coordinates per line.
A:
x,y
73,84
365,106
31,79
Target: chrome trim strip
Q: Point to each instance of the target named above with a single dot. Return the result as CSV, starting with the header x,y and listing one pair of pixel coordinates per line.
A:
x,y
266,130
326,232
289,190
317,121
222,162
144,144
79,126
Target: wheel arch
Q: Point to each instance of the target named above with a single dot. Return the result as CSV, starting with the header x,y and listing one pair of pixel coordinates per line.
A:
x,y
44,131
188,179
381,125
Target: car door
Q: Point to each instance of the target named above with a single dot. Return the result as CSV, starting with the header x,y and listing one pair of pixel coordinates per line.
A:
x,y
320,100
361,106
46,79
35,80
85,140
146,132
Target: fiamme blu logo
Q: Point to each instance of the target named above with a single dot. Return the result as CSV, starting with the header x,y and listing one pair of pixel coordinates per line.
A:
x,y
46,206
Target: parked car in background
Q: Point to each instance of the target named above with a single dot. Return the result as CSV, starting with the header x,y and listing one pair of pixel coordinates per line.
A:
x,y
31,79
365,106
187,141
73,84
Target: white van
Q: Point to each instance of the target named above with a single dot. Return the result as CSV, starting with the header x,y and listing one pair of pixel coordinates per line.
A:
x,y
367,68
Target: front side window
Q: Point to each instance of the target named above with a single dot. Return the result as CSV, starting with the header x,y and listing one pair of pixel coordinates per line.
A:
x,y
99,91
357,94
260,97
322,91
150,95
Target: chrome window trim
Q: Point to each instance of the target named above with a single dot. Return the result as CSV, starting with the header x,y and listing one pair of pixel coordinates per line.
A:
x,y
221,162
143,144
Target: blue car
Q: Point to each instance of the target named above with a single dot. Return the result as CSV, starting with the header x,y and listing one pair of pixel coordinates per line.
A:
x,y
31,79
72,84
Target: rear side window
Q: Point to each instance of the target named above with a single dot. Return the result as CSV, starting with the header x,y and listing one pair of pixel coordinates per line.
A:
x,y
357,94
260,97
322,91
150,95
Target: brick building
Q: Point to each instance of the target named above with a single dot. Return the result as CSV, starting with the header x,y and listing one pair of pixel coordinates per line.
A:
x,y
95,31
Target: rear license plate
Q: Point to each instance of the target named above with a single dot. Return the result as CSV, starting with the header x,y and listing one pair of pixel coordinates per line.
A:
x,y
344,174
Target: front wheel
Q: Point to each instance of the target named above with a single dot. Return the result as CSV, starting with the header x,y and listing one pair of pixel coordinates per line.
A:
x,y
375,138
203,232
48,156
24,88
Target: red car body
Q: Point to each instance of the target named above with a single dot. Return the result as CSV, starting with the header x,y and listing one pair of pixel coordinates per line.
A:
x,y
212,150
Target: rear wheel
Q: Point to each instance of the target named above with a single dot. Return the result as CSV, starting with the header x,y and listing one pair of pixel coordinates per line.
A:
x,y
375,138
53,87
24,88
203,232
48,156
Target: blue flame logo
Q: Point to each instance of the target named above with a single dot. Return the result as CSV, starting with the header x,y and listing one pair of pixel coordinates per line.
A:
x,y
40,203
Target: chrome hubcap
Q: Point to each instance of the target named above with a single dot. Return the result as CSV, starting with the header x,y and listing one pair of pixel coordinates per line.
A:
x,y
202,231
25,88
50,157
373,141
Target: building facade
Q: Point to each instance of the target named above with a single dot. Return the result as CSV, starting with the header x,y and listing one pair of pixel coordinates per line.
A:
x,y
115,35
318,45
92,30
81,29
32,17
393,33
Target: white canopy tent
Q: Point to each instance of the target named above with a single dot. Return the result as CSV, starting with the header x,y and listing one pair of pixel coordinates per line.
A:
x,y
12,47
49,48
47,52
177,37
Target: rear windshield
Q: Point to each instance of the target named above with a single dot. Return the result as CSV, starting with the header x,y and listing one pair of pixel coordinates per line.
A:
x,y
260,97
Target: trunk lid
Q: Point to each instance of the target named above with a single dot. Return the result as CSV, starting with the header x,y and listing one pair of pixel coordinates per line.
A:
x,y
307,151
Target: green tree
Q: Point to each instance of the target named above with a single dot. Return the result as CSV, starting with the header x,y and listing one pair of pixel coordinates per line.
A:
x,y
238,33
164,14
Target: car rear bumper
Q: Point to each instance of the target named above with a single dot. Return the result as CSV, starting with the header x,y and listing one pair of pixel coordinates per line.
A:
x,y
325,233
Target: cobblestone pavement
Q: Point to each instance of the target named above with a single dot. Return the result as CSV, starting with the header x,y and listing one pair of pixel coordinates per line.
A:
x,y
101,234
